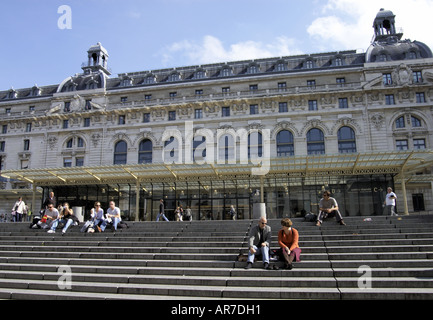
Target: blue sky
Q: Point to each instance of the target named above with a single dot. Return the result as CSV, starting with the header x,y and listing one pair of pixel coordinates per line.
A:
x,y
143,35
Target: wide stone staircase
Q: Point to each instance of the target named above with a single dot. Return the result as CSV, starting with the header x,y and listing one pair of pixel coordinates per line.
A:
x,y
374,257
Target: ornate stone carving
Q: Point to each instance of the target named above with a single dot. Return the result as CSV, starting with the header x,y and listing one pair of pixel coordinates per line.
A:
x,y
403,75
184,111
378,120
298,103
96,138
327,101
52,142
239,107
158,113
284,125
211,109
314,123
346,121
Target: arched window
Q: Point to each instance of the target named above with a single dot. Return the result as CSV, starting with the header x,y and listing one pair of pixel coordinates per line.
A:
x,y
309,64
74,153
120,152
416,123
226,148
171,153
71,87
280,66
199,148
399,123
145,151
35,92
174,77
285,146
226,72
95,59
255,147
315,142
411,55
253,69
346,140
80,142
382,57
75,143
200,74
338,62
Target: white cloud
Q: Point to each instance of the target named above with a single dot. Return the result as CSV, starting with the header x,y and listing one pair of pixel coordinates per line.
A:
x,y
212,49
348,24
338,25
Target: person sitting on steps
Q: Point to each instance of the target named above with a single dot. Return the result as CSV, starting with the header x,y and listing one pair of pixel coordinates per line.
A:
x,y
328,205
288,238
259,243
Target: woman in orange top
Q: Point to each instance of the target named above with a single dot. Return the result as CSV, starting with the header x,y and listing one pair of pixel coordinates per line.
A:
x,y
288,240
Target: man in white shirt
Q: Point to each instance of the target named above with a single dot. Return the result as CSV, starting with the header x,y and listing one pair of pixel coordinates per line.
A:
x,y
390,202
113,212
328,206
18,210
52,215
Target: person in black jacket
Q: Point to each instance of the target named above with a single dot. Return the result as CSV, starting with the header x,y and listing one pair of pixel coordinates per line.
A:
x,y
161,211
51,199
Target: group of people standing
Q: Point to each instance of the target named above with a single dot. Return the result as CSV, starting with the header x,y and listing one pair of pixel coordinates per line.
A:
x,y
185,215
179,213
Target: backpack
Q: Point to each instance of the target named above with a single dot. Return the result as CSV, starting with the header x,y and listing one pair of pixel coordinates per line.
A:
x,y
310,217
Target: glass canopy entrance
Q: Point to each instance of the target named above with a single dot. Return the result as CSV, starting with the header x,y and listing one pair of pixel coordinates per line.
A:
x,y
291,186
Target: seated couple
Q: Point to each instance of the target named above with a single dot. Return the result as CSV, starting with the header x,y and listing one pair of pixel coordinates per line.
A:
x,y
98,221
51,218
260,238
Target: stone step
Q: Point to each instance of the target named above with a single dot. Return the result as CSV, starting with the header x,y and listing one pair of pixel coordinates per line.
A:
x,y
198,244
122,255
287,279
26,294
175,290
17,289
386,294
198,260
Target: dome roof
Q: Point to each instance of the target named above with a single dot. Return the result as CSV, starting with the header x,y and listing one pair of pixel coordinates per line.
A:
x,y
384,14
387,44
79,82
397,50
98,48
394,50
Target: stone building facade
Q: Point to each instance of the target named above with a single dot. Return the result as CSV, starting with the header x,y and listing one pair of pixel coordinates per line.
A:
x,y
169,122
